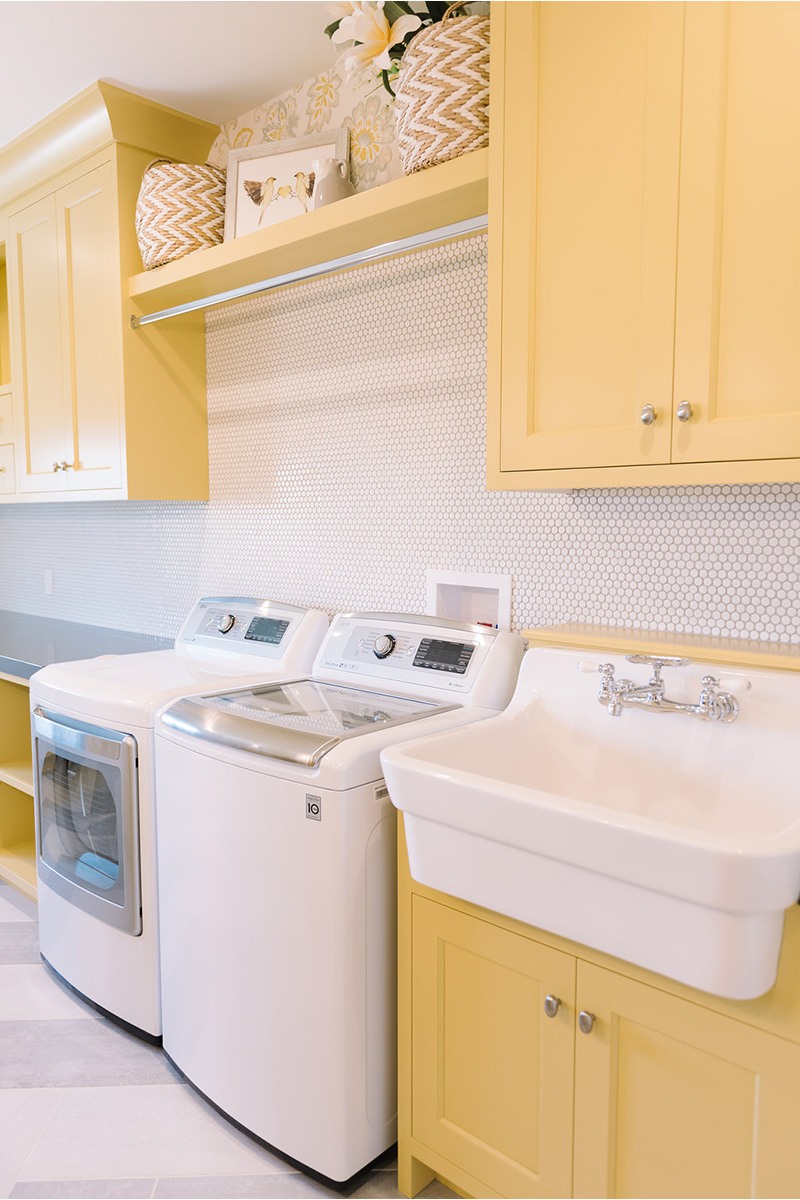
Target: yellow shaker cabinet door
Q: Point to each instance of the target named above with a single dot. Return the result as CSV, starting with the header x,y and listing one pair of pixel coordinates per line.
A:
x,y
673,1099
7,476
586,108
35,318
90,302
737,356
492,1074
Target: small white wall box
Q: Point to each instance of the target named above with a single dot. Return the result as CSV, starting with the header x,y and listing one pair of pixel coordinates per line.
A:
x,y
469,596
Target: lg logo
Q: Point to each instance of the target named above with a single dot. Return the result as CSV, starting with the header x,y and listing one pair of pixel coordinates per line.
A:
x,y
314,808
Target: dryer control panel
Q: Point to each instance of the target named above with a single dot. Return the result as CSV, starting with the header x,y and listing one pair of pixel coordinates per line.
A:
x,y
414,653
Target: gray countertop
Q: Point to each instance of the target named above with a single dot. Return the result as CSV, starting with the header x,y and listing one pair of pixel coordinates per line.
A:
x,y
28,643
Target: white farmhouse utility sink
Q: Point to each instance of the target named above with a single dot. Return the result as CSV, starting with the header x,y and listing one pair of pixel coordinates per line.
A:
x,y
667,840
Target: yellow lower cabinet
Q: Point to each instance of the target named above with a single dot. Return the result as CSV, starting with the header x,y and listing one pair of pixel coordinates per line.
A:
x,y
529,1071
673,1099
492,1073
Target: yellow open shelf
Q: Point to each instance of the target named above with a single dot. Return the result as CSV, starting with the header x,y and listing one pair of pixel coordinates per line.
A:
x,y
441,195
18,867
18,774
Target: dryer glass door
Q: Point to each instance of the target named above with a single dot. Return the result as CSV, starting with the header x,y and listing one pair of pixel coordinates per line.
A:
x,y
87,818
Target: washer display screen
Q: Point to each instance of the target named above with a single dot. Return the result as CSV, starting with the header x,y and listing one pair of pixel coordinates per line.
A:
x,y
439,655
266,629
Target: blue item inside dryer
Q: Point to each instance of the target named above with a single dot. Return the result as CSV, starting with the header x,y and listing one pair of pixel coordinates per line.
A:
x,y
98,871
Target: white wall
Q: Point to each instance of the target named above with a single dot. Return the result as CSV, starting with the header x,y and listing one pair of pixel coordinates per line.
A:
x,y
347,456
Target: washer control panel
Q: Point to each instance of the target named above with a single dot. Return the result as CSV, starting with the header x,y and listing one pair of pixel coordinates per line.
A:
x,y
261,628
404,649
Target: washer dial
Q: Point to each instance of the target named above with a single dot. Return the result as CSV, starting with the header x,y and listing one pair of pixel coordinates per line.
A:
x,y
384,645
226,623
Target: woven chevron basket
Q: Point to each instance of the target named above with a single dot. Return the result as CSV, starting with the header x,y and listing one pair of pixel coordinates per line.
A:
x,y
181,207
442,108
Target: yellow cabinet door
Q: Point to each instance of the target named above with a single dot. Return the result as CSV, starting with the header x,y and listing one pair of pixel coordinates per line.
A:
x,y
6,417
35,318
737,356
586,109
675,1100
8,483
492,1074
90,304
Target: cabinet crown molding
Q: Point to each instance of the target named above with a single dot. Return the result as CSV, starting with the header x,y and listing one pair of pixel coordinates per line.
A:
x,y
99,115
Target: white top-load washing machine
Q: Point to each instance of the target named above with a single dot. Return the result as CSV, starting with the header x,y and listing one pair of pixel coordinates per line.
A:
x,y
94,786
277,878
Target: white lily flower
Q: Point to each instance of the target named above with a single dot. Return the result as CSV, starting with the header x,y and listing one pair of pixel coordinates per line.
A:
x,y
374,37
346,31
341,9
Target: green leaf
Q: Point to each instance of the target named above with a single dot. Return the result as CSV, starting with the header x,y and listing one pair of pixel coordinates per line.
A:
x,y
436,10
393,9
331,29
386,84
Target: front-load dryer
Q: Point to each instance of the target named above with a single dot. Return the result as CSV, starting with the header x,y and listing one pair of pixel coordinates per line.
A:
x,y
277,878
94,787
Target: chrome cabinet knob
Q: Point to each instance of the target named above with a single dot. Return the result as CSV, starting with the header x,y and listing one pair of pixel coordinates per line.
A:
x,y
56,466
684,412
647,415
551,1005
586,1021
65,466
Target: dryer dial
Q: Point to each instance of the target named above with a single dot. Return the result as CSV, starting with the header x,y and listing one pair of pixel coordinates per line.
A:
x,y
226,623
384,645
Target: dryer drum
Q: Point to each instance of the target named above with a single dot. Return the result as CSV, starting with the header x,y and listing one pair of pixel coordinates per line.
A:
x,y
85,817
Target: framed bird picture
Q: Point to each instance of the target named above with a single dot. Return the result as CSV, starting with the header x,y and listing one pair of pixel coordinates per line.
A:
x,y
273,181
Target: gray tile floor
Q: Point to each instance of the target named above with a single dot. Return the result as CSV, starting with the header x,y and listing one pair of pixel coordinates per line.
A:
x,y
88,1110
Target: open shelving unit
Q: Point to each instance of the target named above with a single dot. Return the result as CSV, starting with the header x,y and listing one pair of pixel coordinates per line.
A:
x,y
389,219
17,843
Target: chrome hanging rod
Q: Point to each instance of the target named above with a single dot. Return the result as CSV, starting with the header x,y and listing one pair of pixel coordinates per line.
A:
x,y
418,241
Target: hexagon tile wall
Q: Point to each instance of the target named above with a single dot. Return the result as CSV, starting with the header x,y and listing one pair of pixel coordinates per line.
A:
x,y
347,457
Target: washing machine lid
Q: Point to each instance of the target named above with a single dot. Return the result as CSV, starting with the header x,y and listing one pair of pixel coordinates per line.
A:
x,y
298,721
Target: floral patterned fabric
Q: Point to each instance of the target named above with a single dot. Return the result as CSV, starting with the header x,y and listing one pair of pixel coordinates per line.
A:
x,y
322,103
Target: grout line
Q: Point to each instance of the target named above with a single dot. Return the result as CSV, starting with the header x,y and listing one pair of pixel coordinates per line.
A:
x,y
155,1185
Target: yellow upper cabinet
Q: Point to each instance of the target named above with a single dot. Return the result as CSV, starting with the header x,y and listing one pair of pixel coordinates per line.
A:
x,y
66,368
100,410
36,319
737,348
644,245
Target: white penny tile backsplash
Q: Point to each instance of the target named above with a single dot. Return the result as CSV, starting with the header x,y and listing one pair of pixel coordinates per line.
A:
x,y
347,457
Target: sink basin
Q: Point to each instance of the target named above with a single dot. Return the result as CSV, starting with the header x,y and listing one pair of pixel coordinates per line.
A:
x,y
667,841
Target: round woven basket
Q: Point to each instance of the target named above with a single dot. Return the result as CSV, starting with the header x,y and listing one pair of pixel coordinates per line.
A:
x,y
181,207
442,90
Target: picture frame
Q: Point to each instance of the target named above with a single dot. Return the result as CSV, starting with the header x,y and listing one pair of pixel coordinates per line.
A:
x,y
266,183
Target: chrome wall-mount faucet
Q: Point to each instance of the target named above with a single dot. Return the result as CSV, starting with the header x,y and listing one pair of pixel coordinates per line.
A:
x,y
616,694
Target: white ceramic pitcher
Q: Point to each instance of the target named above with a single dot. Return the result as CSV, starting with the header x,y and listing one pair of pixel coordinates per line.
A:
x,y
331,181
